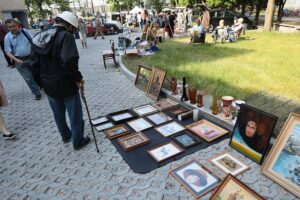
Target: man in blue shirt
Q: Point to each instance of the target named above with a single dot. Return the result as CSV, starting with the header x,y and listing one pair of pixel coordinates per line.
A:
x,y
17,46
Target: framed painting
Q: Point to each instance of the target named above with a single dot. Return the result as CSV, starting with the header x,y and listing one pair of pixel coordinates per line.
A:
x,y
159,118
99,120
169,128
283,162
175,111
142,77
133,141
206,130
232,188
229,164
164,104
145,110
252,132
121,116
156,82
116,131
186,139
139,124
196,178
165,151
103,126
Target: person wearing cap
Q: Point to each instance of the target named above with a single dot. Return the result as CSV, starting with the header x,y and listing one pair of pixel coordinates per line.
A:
x,y
17,46
20,25
55,59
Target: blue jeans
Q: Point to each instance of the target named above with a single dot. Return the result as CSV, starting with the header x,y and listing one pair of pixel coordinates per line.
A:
x,y
25,72
73,105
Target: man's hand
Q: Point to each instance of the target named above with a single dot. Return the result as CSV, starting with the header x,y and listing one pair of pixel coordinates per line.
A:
x,y
80,84
18,61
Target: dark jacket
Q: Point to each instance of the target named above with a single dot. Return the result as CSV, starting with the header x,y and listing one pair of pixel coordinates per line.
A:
x,y
56,57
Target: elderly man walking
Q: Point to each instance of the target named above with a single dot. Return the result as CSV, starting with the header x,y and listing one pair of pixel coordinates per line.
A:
x,y
98,27
17,46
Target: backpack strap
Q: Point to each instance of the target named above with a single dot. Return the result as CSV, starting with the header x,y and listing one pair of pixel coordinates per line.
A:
x,y
26,35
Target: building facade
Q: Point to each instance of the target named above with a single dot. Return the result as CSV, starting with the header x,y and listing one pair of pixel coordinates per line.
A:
x,y
292,4
14,9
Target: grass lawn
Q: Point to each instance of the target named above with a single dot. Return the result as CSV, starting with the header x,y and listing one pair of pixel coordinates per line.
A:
x,y
259,61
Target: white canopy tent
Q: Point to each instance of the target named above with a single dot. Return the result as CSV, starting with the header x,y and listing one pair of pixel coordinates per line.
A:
x,y
136,9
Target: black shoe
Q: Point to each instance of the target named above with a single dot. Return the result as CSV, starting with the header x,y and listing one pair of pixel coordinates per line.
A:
x,y
38,97
67,140
84,142
10,136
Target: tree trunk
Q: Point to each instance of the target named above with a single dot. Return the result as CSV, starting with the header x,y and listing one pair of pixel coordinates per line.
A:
x,y
257,7
243,8
269,15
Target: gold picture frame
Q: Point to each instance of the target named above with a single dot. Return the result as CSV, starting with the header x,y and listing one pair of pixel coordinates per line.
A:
x,y
132,141
156,82
143,77
116,131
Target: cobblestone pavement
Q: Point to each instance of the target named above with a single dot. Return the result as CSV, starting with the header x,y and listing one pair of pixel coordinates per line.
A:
x,y
37,165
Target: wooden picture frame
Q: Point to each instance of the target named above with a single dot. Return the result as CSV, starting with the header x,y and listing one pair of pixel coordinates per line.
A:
x,y
177,110
227,163
155,83
165,151
116,131
159,118
207,130
145,110
186,139
282,163
139,124
169,129
164,104
143,77
104,126
234,188
132,141
205,182
99,120
252,132
121,116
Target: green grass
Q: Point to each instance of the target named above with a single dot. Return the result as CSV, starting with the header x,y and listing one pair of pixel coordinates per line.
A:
x,y
259,61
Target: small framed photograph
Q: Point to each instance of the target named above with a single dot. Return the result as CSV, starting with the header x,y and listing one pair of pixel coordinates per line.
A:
x,y
196,178
99,120
145,110
139,124
116,131
121,116
206,130
133,141
232,188
175,111
164,104
165,151
155,83
143,76
229,164
186,139
159,118
283,162
169,128
103,126
252,132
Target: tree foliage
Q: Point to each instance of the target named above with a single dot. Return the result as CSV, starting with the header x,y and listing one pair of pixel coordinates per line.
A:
x,y
119,5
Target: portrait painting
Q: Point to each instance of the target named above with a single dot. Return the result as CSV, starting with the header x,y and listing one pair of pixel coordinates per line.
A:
x,y
252,132
133,141
229,164
142,77
116,131
233,189
164,151
99,120
169,128
196,178
159,118
206,130
103,126
139,124
186,139
156,82
145,110
283,162
164,104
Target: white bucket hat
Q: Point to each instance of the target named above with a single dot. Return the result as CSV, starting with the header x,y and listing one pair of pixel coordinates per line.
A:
x,y
69,17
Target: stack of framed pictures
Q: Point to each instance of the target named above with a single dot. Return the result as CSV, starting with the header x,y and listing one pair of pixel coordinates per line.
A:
x,y
164,104
101,123
133,141
143,77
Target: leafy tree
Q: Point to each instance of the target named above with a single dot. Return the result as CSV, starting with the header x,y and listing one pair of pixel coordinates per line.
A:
x,y
280,4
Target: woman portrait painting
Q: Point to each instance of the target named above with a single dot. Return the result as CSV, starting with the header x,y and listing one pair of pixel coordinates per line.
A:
x,y
252,132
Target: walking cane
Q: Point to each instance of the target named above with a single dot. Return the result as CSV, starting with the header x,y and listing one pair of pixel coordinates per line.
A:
x,y
87,110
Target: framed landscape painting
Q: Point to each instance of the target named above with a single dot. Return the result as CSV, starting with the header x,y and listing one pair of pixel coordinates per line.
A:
x,y
283,162
139,124
116,131
159,118
206,130
232,188
252,132
133,141
145,110
156,82
142,77
169,128
186,139
196,178
165,151
229,164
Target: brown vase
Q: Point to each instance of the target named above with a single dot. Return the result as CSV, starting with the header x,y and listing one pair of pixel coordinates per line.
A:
x,y
215,109
199,100
174,86
192,95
